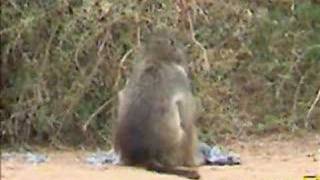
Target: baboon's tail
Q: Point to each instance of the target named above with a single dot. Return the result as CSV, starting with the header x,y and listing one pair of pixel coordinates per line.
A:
x,y
191,174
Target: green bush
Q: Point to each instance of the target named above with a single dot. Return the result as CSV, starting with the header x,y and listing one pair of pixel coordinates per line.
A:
x,y
61,66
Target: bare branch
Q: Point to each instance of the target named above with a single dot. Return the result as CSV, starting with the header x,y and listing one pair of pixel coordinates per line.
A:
x,y
295,101
123,59
84,127
204,50
307,119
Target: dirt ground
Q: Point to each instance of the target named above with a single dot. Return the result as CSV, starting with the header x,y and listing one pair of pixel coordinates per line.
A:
x,y
272,158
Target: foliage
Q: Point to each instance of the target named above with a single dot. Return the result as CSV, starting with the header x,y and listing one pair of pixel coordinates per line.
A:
x,y
62,63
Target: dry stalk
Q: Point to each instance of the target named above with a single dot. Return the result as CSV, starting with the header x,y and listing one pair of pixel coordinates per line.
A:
x,y
76,54
82,89
137,20
307,119
88,79
43,67
295,99
283,80
123,59
201,46
84,127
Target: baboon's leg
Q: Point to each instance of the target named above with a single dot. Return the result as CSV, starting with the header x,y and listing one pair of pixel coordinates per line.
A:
x,y
187,110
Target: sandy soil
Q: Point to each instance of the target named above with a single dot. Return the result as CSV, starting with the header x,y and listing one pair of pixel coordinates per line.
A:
x,y
263,158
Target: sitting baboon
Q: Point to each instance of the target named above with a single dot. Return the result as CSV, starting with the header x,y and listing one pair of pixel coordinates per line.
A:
x,y
156,113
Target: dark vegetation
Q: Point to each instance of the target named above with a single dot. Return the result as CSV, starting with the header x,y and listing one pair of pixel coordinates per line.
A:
x,y
255,65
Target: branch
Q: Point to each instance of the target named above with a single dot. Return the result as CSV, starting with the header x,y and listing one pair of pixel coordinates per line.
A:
x,y
84,127
123,59
205,54
306,122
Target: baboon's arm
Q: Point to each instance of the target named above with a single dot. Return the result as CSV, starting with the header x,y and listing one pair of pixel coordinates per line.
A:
x,y
122,103
187,109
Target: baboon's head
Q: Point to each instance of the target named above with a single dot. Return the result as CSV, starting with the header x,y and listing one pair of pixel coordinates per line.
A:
x,y
164,46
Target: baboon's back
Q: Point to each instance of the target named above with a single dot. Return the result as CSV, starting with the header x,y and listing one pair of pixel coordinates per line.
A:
x,y
145,131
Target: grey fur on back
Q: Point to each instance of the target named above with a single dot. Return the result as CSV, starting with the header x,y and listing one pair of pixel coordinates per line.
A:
x,y
149,126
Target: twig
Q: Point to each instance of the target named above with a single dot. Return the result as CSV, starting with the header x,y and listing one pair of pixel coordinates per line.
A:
x,y
307,119
182,6
39,87
82,89
76,54
283,80
137,20
295,99
87,80
120,66
202,12
84,127
205,54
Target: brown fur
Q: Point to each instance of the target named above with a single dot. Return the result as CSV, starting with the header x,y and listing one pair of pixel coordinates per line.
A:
x,y
155,127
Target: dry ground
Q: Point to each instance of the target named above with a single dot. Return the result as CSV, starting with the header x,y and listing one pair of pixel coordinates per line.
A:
x,y
271,158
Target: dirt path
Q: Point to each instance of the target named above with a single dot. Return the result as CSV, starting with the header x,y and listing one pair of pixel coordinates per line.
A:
x,y
266,158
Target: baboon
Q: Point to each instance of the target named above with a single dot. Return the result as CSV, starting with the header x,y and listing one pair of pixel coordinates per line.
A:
x,y
157,110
